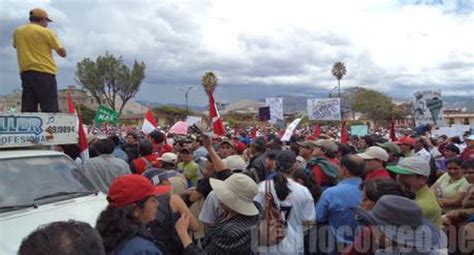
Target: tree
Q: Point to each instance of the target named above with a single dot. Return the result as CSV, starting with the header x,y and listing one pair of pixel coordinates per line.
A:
x,y
338,70
173,114
209,82
109,79
87,114
375,105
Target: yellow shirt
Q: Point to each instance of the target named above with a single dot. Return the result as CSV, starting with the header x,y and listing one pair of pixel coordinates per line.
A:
x,y
428,204
34,45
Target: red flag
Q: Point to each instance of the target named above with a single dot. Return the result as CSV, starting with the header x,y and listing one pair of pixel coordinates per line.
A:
x,y
217,125
70,104
83,146
393,136
149,123
317,130
343,132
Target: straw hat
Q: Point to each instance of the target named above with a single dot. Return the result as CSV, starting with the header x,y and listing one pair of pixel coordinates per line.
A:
x,y
237,193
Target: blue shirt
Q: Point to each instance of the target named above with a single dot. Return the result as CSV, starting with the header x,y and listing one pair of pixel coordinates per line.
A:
x,y
119,153
137,246
334,207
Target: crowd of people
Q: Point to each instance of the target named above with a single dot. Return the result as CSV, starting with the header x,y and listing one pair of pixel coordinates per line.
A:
x,y
245,194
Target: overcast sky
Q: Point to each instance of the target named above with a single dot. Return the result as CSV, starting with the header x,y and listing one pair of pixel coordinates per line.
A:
x,y
261,48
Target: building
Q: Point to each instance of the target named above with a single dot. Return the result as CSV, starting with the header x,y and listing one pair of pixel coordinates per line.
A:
x,y
79,96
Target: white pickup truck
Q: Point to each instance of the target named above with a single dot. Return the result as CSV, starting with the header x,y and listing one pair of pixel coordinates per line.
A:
x,y
38,187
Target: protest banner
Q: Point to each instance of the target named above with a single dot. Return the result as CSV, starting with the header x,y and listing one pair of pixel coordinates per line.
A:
x,y
106,115
276,108
290,129
359,130
324,109
428,108
27,129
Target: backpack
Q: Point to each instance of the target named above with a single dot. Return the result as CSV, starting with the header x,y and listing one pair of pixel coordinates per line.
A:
x,y
272,226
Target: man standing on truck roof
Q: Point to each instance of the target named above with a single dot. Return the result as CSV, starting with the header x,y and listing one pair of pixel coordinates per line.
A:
x,y
34,43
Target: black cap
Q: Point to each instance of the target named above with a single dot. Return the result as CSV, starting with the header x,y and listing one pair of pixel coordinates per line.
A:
x,y
285,160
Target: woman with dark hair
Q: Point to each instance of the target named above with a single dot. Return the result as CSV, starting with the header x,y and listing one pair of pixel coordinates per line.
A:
x,y
294,201
132,205
365,142
451,187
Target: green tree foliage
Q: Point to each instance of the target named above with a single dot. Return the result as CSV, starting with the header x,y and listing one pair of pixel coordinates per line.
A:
x,y
173,114
373,104
87,114
209,82
108,79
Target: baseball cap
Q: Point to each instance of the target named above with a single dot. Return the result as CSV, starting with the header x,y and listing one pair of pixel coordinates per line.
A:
x,y
394,148
227,142
128,189
285,160
169,157
412,165
374,152
235,162
40,13
307,144
326,144
406,140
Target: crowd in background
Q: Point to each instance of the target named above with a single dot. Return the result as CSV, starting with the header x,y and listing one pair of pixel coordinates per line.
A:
x,y
196,194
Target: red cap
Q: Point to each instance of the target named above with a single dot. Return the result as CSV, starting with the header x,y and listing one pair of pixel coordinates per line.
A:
x,y
128,189
406,140
240,147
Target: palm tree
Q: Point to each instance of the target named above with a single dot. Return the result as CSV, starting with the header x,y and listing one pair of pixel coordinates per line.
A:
x,y
338,70
209,82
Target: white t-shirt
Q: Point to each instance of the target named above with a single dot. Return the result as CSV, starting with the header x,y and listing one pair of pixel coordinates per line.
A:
x,y
296,208
424,154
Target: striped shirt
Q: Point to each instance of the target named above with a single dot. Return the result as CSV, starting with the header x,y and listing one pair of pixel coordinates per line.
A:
x,y
236,235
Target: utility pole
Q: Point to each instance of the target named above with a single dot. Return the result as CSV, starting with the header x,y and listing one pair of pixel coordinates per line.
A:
x,y
186,93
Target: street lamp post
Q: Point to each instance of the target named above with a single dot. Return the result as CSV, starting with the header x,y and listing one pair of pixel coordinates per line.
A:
x,y
330,92
186,93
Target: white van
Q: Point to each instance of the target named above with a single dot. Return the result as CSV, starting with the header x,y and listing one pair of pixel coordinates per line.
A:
x,y
38,187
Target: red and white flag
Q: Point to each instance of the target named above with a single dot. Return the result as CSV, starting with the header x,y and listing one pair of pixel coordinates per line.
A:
x,y
82,140
149,123
344,134
217,125
317,130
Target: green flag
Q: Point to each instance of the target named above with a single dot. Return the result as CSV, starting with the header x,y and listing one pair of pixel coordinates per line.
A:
x,y
106,115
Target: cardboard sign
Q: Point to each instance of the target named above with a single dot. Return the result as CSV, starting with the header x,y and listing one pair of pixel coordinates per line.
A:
x,y
290,129
27,129
428,108
359,130
324,109
276,108
106,115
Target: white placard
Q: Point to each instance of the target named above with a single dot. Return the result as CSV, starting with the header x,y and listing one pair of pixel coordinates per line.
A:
x,y
276,108
428,108
27,129
289,130
324,109
191,120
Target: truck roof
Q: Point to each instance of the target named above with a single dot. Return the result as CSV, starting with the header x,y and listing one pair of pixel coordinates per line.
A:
x,y
27,153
